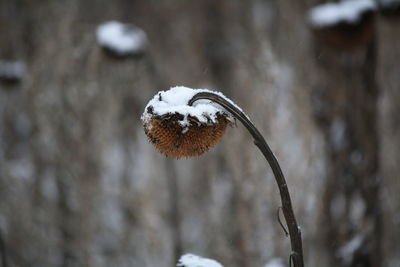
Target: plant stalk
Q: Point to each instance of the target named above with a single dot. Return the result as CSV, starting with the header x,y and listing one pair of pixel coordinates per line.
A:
x,y
259,141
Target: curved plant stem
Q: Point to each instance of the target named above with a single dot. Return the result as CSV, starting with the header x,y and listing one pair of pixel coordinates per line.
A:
x,y
259,141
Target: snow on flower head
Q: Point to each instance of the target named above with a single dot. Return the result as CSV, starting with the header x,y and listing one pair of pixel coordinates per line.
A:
x,y
179,130
176,100
190,260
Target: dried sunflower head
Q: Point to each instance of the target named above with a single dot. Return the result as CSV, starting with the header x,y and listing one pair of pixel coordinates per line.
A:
x,y
179,130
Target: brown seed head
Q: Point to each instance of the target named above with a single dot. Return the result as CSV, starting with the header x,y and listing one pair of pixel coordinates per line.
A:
x,y
172,139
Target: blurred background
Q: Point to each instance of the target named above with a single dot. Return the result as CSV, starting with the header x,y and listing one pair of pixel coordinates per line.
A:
x,y
81,186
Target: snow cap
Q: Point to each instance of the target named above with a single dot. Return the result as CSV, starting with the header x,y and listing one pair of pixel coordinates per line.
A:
x,y
121,38
191,260
346,11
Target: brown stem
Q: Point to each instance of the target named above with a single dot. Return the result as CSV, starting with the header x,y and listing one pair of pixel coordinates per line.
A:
x,y
259,141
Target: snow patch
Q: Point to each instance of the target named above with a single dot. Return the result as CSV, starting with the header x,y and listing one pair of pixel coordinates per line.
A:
x,y
346,11
357,210
191,260
22,169
120,38
275,262
12,70
347,251
337,134
176,100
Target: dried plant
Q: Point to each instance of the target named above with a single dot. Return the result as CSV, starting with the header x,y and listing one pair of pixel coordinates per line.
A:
x,y
174,140
178,128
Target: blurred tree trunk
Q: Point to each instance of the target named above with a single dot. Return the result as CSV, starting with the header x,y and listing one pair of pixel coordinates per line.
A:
x,y
347,109
389,132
